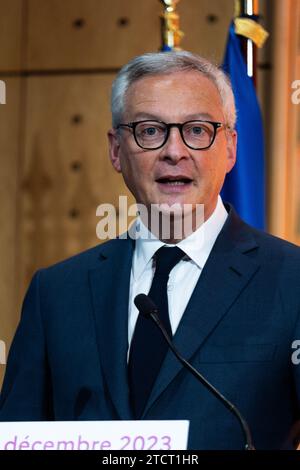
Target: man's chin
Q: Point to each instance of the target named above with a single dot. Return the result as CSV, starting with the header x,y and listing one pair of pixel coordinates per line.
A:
x,y
178,219
174,206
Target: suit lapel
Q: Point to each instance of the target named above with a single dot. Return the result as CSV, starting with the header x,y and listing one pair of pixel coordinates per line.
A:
x,y
226,273
110,284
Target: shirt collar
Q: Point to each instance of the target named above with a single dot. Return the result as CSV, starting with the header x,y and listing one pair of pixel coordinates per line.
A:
x,y
196,246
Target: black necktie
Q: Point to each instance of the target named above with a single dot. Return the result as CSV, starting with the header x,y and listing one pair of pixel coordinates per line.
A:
x,y
148,347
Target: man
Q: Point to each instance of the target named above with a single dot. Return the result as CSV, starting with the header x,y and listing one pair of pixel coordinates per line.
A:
x,y
229,300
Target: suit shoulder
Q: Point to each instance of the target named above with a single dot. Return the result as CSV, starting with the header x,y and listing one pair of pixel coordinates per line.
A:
x,y
82,261
275,243
249,237
277,252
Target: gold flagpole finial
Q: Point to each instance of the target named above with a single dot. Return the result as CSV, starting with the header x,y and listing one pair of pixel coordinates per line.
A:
x,y
171,33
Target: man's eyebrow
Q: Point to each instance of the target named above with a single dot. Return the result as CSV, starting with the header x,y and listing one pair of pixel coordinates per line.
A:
x,y
189,117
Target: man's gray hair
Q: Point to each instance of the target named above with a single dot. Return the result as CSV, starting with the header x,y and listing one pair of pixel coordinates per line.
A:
x,y
158,63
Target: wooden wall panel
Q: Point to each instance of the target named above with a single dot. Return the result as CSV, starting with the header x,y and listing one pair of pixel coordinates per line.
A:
x,y
284,161
66,172
9,148
205,24
10,34
90,33
107,33
297,170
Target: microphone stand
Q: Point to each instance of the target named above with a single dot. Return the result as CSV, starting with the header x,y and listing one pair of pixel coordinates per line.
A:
x,y
147,308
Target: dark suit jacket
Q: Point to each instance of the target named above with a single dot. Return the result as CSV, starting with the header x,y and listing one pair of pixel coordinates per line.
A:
x,y
68,360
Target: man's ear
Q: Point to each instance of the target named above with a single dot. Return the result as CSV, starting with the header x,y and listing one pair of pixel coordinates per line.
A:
x,y
114,149
231,149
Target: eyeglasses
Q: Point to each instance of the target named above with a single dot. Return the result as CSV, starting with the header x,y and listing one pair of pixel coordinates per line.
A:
x,y
152,135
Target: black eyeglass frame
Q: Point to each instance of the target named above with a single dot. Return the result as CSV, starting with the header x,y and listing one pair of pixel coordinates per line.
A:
x,y
133,125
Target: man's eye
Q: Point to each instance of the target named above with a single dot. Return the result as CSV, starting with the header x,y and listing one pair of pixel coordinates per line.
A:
x,y
150,131
197,130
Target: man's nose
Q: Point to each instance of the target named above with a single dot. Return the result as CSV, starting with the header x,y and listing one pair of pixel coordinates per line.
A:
x,y
174,149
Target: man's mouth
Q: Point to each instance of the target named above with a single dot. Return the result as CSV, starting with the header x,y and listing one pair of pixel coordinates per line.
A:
x,y
174,180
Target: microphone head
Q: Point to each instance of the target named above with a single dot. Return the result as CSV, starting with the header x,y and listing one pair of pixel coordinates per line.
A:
x,y
145,305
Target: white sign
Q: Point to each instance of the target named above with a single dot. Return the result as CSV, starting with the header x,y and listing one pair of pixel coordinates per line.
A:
x,y
2,92
94,435
2,352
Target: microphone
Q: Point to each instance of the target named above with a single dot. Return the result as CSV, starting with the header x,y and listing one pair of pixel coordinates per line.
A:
x,y
149,310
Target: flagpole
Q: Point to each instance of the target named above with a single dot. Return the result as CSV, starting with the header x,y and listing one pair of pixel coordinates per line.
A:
x,y
248,9
171,34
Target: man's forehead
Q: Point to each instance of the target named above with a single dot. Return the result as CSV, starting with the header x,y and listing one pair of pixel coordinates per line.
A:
x,y
150,96
174,77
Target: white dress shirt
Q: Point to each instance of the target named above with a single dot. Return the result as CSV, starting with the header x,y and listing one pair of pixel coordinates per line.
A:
x,y
184,276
